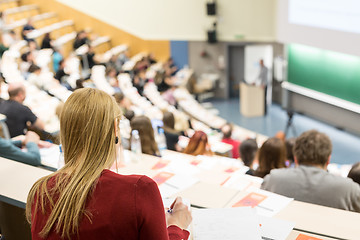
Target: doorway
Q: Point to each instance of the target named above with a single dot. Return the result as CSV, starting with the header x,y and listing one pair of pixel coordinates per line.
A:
x,y
236,69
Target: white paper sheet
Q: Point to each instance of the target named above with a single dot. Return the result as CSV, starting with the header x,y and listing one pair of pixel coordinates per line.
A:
x,y
272,228
229,224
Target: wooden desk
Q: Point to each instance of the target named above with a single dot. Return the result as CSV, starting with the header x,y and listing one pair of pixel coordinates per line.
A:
x,y
320,220
16,179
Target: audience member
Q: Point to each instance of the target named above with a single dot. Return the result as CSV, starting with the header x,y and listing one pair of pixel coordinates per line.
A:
x,y
111,77
46,42
248,150
115,63
60,74
17,115
309,181
171,135
227,133
272,155
289,143
11,149
129,114
198,145
27,59
9,38
354,173
79,84
139,82
81,39
146,133
170,67
56,58
28,27
124,57
122,101
151,59
35,76
73,203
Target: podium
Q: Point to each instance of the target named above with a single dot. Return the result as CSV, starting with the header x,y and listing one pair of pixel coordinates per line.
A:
x,y
252,100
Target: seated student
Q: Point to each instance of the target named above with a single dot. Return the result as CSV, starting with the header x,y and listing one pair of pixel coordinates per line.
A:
x,y
35,76
84,199
27,59
271,155
28,27
17,115
80,39
227,132
146,133
12,149
171,135
248,150
123,102
309,181
198,145
61,75
354,173
46,42
289,143
111,77
139,83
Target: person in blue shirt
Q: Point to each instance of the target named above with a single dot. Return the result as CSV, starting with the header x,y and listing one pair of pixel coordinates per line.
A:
x,y
11,149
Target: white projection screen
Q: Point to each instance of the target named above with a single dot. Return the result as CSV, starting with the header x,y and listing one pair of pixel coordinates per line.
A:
x,y
327,24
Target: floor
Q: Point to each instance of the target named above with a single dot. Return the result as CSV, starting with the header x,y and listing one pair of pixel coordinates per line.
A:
x,y
346,146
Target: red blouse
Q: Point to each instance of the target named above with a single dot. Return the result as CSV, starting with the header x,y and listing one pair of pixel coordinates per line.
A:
x,y
122,207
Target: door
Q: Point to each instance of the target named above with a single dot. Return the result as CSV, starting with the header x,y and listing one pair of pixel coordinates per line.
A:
x,y
236,70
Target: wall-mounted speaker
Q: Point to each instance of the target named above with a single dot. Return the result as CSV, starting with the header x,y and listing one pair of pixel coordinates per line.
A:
x,y
211,8
211,36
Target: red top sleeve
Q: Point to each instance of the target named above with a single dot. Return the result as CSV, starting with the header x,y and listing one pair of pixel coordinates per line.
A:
x,y
150,213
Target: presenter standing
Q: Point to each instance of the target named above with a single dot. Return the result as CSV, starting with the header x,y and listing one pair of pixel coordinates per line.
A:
x,y
262,81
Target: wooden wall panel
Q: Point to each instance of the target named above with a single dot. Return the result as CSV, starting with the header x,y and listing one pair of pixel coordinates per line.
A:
x,y
161,49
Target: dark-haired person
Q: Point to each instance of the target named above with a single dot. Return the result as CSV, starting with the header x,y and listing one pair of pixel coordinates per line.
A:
x,y
18,115
46,42
227,133
271,155
310,181
171,135
28,27
354,173
248,150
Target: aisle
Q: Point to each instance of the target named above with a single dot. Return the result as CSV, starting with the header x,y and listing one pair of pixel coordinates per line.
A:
x,y
346,146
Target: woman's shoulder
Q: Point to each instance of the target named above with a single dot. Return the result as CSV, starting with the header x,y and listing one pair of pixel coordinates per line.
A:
x,y
110,176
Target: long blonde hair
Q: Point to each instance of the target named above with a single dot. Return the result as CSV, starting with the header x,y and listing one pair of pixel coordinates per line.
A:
x,y
87,134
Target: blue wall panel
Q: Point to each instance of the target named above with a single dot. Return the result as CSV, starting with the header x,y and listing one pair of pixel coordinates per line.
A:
x,y
180,53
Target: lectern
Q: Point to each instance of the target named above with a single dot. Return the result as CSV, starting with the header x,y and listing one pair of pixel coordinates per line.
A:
x,y
252,100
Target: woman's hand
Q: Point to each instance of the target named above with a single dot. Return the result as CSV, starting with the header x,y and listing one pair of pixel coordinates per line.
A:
x,y
179,214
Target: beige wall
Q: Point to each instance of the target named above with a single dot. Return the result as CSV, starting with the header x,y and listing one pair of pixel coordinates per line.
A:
x,y
184,19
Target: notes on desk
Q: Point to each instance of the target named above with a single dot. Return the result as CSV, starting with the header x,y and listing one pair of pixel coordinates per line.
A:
x,y
230,224
237,223
266,203
50,156
272,228
305,237
176,183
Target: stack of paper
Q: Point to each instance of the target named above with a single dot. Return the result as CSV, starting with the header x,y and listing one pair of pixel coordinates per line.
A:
x,y
237,223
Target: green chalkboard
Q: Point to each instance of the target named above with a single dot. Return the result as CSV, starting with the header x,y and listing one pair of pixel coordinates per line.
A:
x,y
333,73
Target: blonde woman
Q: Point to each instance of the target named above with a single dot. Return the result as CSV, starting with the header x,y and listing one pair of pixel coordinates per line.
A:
x,y
84,200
